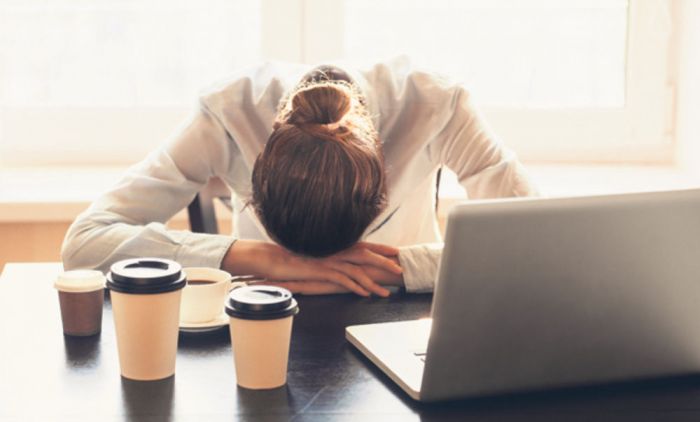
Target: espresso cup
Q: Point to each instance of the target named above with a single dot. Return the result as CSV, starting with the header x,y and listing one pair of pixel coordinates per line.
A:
x,y
260,322
81,295
204,296
146,295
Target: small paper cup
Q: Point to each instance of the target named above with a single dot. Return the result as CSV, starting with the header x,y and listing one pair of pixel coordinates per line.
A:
x,y
260,323
81,296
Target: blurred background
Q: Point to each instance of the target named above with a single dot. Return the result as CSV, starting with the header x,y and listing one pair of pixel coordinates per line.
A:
x,y
594,95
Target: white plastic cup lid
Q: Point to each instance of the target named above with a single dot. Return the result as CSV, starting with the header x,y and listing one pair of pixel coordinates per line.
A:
x,y
79,281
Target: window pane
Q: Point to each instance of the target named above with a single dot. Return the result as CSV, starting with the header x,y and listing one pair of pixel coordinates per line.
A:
x,y
534,53
121,52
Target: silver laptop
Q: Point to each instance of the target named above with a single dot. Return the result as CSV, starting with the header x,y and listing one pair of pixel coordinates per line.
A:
x,y
534,294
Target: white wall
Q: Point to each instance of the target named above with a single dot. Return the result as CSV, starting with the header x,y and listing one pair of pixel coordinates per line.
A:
x,y
687,14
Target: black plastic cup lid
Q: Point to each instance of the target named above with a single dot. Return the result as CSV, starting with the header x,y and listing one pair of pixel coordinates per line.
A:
x,y
261,302
146,276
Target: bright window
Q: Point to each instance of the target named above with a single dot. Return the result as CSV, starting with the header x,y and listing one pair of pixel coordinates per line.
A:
x,y
102,81
537,53
105,81
107,53
574,80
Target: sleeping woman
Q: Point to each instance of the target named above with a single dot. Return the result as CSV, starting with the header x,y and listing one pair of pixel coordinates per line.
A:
x,y
332,173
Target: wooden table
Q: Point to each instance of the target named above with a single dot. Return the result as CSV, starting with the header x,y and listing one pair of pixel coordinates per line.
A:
x,y
48,377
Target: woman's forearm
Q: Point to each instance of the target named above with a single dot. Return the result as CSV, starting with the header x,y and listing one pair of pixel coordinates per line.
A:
x,y
248,257
361,269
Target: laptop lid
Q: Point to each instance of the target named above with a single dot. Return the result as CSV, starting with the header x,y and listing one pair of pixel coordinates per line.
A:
x,y
540,293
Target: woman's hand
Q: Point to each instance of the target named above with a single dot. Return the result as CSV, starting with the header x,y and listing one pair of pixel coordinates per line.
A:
x,y
305,287
377,274
358,269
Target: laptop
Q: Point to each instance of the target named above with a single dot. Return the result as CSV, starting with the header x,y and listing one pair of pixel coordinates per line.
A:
x,y
535,294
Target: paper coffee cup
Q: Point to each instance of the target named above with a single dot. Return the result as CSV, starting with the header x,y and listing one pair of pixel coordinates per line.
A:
x,y
81,295
205,294
146,295
261,327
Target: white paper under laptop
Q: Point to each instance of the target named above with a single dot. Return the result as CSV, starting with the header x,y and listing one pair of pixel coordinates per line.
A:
x,y
541,293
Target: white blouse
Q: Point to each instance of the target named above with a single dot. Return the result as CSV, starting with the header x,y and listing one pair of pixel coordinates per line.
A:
x,y
424,122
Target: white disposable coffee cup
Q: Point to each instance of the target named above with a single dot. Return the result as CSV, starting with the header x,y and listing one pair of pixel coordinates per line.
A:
x,y
146,295
204,302
260,321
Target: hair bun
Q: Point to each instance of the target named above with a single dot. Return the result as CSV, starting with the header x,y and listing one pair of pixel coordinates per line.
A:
x,y
320,103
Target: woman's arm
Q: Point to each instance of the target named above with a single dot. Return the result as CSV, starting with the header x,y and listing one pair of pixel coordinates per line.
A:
x,y
128,220
360,269
484,167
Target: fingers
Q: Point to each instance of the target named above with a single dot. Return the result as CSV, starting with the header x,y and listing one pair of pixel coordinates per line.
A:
x,y
344,270
358,275
385,250
363,256
307,287
383,277
342,278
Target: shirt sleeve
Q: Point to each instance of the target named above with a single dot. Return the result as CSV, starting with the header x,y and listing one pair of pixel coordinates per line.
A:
x,y
420,266
128,220
484,167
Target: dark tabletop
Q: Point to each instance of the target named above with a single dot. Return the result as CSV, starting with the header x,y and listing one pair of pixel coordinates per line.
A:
x,y
46,376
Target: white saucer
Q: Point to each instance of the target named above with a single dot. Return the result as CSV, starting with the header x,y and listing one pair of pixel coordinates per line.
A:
x,y
199,327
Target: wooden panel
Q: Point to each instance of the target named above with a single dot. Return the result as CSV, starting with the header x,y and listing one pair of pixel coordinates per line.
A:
x,y
31,242
41,241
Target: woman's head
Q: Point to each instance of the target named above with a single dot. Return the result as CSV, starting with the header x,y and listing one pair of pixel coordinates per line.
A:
x,y
320,181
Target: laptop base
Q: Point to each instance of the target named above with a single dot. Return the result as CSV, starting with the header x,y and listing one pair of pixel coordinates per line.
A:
x,y
397,348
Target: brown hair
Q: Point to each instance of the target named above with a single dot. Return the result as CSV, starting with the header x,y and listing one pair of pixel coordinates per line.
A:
x,y
320,180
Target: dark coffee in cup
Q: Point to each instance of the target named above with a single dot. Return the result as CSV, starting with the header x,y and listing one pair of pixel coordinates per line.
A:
x,y
199,282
